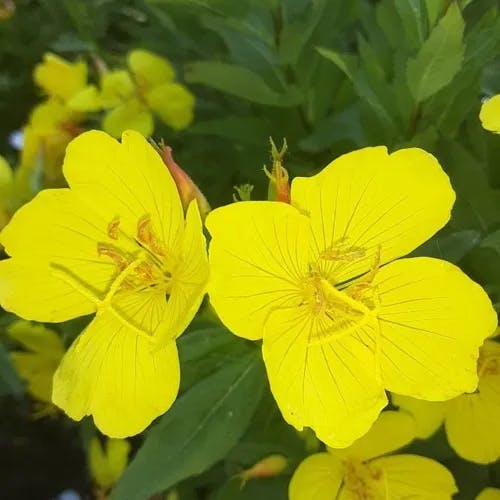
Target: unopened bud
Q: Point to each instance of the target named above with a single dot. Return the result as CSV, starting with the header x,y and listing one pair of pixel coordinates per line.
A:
x,y
188,190
271,466
279,186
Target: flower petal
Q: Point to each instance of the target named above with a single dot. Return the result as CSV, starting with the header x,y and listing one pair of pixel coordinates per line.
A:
x,y
490,114
37,338
415,477
130,115
390,432
120,378
258,255
318,477
368,200
141,184
173,103
60,78
473,420
53,240
31,290
489,494
330,387
189,282
432,318
149,69
428,415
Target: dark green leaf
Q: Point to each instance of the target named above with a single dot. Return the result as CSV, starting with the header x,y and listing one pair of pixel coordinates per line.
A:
x,y
440,57
241,82
451,247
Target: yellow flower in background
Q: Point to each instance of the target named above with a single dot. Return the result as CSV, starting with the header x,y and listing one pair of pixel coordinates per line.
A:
x,y
57,120
489,494
36,364
107,463
117,243
148,88
367,470
66,82
490,114
6,191
339,321
472,421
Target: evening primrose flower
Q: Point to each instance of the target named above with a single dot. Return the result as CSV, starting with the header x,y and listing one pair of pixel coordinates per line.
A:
x,y
472,421
148,88
36,363
490,114
366,470
339,321
107,463
117,243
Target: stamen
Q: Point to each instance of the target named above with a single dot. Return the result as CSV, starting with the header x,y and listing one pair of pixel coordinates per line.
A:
x,y
147,236
342,251
114,227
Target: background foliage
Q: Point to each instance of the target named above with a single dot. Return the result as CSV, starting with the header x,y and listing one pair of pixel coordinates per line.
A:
x,y
330,76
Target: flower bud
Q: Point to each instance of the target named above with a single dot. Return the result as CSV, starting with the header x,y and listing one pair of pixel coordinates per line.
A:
x,y
279,185
188,190
271,466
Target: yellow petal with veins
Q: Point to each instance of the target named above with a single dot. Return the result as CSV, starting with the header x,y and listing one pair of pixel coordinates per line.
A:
x,y
368,201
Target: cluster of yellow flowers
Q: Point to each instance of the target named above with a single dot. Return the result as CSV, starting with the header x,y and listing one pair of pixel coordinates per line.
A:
x,y
320,277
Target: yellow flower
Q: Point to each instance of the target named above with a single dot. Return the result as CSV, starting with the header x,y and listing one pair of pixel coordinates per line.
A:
x,y
489,494
55,121
36,364
149,87
366,470
116,243
51,127
472,421
6,191
490,114
66,82
339,326
107,463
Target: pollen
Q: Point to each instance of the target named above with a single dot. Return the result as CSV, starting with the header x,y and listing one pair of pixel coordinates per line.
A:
x,y
114,227
364,480
147,236
342,250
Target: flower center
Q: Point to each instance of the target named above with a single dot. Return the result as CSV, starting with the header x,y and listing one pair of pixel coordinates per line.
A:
x,y
364,480
337,313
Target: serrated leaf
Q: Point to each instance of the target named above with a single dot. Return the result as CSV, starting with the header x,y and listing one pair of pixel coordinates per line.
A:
x,y
241,82
202,426
440,57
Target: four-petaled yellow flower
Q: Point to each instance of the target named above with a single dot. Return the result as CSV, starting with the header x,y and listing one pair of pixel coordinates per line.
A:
x,y
339,321
107,463
366,471
36,364
472,421
148,87
490,114
116,243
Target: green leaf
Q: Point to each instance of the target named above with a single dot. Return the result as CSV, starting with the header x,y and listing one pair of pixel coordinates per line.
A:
x,y
440,57
451,247
202,426
9,380
413,17
241,82
373,93
204,351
